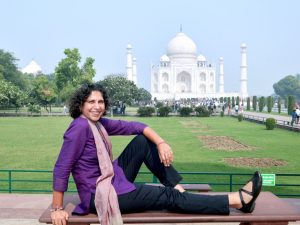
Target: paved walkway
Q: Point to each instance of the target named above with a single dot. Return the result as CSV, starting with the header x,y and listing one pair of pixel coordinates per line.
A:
x,y
25,209
17,209
277,117
281,119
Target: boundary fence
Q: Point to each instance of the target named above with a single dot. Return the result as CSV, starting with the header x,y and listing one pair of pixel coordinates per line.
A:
x,y
40,181
284,124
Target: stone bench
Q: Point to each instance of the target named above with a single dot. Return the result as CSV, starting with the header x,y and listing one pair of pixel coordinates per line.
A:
x,y
269,210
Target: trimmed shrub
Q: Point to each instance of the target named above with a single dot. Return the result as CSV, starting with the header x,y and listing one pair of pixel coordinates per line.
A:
x,y
261,103
237,102
164,111
185,111
248,103
32,108
222,113
279,104
291,103
240,117
221,99
228,101
159,104
202,111
145,111
269,103
254,103
232,102
270,123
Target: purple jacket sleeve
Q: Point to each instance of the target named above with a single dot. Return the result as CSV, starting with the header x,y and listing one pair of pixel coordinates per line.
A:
x,y
121,127
74,141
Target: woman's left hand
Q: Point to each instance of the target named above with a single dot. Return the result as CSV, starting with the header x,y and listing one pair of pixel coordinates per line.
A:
x,y
165,153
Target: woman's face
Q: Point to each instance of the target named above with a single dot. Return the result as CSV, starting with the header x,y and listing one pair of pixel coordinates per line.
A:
x,y
94,107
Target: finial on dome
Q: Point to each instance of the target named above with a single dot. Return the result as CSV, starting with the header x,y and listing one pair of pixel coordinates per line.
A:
x,y
180,28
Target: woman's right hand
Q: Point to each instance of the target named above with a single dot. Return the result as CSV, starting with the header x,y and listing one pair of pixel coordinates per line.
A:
x,y
59,217
165,153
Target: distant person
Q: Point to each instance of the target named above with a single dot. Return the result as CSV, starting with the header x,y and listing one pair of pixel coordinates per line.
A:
x,y
242,108
236,108
65,110
106,187
294,117
229,109
297,115
123,109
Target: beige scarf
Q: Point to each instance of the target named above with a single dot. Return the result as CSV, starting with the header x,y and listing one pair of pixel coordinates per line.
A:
x,y
106,200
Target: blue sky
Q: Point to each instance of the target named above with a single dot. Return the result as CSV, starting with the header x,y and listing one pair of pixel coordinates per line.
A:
x,y
41,30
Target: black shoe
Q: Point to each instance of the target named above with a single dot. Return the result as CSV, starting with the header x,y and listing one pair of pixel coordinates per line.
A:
x,y
256,188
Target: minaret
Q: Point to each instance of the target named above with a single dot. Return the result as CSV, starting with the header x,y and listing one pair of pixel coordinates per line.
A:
x,y
129,62
134,77
243,81
221,81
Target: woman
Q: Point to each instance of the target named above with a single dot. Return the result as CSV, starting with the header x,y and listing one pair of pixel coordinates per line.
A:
x,y
106,187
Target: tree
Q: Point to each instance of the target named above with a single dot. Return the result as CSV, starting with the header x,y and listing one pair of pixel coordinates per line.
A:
x,y
228,102
254,103
232,102
144,96
44,92
269,104
238,100
261,103
66,92
221,99
291,104
9,70
87,71
11,95
69,76
68,70
289,85
286,102
248,103
279,104
4,87
120,89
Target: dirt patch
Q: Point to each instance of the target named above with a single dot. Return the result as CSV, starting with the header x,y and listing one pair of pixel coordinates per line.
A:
x,y
223,143
254,162
191,124
196,126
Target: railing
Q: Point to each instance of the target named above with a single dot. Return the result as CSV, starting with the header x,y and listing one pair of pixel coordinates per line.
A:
x,y
285,124
40,181
29,114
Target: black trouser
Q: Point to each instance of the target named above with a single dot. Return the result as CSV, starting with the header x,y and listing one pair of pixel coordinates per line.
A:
x,y
140,150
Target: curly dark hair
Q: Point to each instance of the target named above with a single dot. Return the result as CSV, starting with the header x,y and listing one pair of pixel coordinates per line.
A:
x,y
80,96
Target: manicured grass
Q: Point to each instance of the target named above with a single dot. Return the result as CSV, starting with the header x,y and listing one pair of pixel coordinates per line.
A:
x,y
34,143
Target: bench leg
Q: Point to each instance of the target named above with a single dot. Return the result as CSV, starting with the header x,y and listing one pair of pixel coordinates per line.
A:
x,y
265,223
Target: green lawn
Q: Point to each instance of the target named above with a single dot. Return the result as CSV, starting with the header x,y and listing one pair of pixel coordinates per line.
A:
x,y
33,143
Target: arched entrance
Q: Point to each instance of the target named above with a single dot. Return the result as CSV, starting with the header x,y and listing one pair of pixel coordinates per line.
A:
x,y
183,82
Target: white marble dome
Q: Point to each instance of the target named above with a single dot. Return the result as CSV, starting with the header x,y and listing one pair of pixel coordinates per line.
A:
x,y
201,58
32,68
164,58
181,44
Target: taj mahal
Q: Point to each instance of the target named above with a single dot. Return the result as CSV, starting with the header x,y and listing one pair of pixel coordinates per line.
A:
x,y
181,73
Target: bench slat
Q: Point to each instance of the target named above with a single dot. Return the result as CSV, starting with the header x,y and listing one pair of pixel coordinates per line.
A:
x,y
269,210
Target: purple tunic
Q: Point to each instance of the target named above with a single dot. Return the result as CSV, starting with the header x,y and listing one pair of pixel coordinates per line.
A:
x,y
78,156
